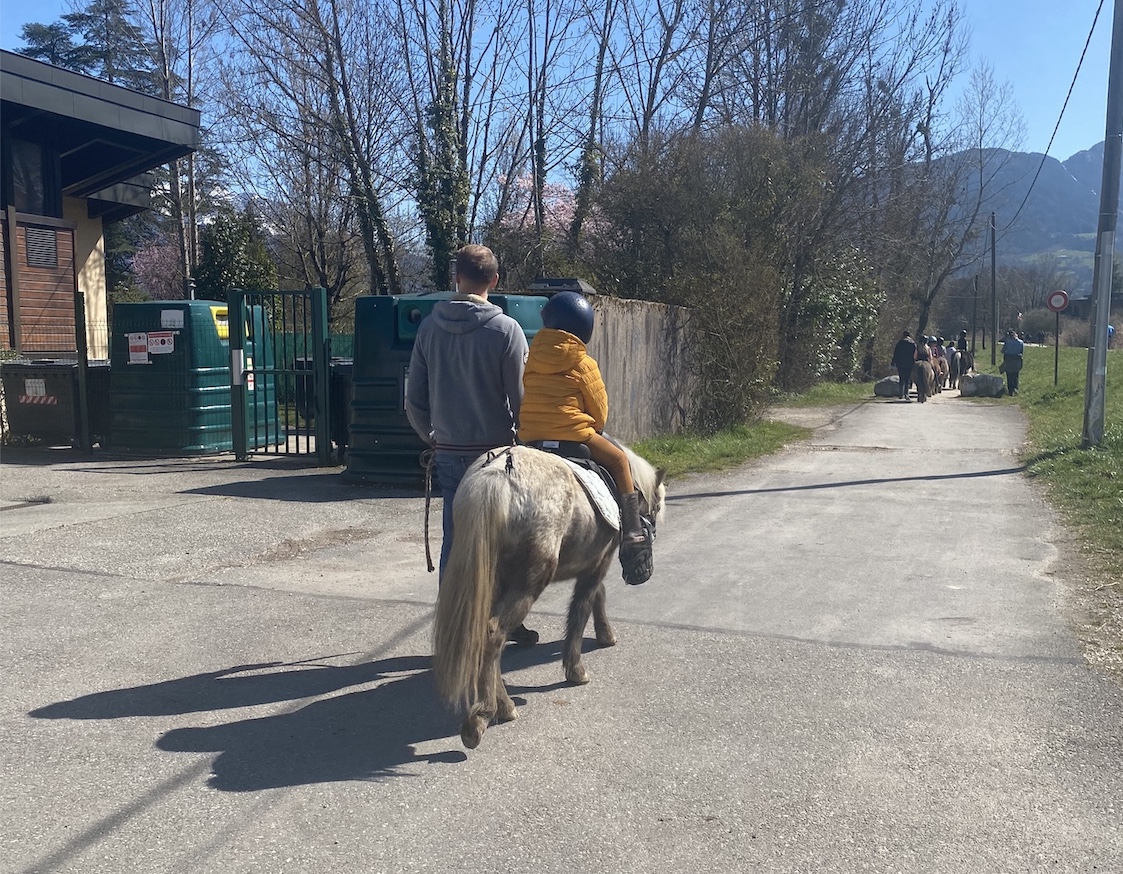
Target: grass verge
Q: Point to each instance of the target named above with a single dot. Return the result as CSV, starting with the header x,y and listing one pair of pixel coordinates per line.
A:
x,y
687,453
1086,485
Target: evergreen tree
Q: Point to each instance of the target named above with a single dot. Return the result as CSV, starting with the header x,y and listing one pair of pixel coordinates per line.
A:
x,y
234,255
99,40
52,44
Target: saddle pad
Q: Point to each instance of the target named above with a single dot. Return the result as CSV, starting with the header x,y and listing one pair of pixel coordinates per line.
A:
x,y
603,500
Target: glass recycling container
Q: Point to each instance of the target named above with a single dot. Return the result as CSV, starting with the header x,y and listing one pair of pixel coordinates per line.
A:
x,y
169,390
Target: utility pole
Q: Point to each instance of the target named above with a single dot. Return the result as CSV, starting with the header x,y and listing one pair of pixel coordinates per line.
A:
x,y
1095,387
994,293
974,313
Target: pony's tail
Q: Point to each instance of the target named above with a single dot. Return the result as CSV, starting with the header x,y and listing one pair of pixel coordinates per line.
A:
x,y
467,589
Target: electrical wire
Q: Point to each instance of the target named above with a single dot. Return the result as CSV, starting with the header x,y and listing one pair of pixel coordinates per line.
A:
x,y
1057,127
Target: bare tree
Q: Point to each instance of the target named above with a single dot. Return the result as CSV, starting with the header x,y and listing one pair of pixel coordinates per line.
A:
x,y
177,33
338,45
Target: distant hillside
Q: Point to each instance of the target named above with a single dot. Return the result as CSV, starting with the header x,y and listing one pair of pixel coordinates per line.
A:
x,y
1061,215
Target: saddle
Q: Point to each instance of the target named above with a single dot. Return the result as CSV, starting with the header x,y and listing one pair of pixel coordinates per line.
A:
x,y
636,560
577,454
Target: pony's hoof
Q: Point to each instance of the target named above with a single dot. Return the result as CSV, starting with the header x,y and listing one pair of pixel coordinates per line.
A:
x,y
607,638
506,713
578,676
472,731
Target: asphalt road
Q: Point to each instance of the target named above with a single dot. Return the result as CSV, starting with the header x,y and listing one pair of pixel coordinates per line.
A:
x,y
857,655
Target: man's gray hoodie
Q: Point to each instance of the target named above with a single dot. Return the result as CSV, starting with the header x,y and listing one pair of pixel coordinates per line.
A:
x,y
465,376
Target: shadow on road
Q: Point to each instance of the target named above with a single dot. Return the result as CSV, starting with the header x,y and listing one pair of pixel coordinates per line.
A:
x,y
304,489
1005,471
366,734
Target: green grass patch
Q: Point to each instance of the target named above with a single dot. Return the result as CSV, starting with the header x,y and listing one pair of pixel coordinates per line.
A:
x,y
686,453
1085,484
829,394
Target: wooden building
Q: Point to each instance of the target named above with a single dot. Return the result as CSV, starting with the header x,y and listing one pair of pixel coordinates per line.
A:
x,y
74,156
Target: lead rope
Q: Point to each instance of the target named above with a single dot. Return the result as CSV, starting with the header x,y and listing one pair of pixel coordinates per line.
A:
x,y
427,463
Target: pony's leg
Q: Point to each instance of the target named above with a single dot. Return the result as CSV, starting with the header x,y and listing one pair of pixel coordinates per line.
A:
x,y
605,635
484,709
510,612
585,591
505,709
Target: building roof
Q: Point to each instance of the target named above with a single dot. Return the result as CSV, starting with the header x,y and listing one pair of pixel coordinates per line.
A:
x,y
107,135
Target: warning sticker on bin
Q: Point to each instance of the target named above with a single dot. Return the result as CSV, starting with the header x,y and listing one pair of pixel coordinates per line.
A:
x,y
138,349
161,342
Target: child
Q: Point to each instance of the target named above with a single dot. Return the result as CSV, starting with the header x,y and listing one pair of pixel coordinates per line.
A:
x,y
564,398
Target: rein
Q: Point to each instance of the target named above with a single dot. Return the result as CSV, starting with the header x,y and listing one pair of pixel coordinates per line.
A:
x,y
427,456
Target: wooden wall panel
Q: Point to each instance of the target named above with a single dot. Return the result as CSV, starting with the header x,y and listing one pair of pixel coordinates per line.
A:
x,y
6,298
46,297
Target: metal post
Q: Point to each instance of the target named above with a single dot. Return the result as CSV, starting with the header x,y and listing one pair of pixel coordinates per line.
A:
x,y
321,365
85,440
236,319
974,313
1095,389
993,298
1057,348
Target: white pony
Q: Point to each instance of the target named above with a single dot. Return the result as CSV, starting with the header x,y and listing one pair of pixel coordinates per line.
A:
x,y
521,520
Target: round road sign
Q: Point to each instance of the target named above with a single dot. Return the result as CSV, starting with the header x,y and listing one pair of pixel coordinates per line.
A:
x,y
1057,301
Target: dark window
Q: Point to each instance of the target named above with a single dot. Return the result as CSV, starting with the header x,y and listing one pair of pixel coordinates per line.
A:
x,y
29,187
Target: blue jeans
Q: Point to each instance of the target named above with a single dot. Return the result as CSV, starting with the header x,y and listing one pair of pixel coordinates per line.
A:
x,y
450,469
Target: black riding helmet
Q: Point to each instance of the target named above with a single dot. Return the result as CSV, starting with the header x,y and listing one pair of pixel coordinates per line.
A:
x,y
569,311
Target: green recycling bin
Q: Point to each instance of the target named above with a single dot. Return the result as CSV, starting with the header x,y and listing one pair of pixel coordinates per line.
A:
x,y
169,390
382,446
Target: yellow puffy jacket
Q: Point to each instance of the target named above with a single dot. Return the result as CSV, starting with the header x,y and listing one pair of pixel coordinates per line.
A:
x,y
563,394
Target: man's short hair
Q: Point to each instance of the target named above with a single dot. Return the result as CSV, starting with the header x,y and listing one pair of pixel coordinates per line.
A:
x,y
476,265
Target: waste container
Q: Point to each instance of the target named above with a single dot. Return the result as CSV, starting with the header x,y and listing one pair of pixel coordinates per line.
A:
x,y
170,378
340,374
382,446
304,395
41,398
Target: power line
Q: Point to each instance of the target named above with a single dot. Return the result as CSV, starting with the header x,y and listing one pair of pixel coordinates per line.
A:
x,y
1056,127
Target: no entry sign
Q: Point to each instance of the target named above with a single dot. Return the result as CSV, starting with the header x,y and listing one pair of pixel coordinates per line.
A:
x,y
1057,301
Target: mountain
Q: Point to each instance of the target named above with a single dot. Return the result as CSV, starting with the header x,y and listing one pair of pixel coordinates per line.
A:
x,y
1061,209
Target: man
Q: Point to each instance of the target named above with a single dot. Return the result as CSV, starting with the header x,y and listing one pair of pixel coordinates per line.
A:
x,y
904,356
1012,351
465,382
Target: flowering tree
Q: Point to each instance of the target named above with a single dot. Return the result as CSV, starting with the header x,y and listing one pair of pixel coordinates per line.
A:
x,y
159,271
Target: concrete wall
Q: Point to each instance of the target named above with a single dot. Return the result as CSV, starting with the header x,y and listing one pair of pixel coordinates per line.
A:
x,y
89,243
643,354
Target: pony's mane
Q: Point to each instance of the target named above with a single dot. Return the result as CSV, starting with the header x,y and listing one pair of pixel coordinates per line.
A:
x,y
643,475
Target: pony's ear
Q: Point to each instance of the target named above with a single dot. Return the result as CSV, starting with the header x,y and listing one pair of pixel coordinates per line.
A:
x,y
660,476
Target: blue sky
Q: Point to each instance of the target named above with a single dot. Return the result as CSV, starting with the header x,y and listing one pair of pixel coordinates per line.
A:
x,y
1032,44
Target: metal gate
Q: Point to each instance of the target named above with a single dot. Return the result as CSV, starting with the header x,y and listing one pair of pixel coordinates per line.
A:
x,y
280,357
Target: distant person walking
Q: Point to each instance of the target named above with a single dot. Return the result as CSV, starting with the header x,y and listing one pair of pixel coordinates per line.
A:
x,y
1012,351
904,356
